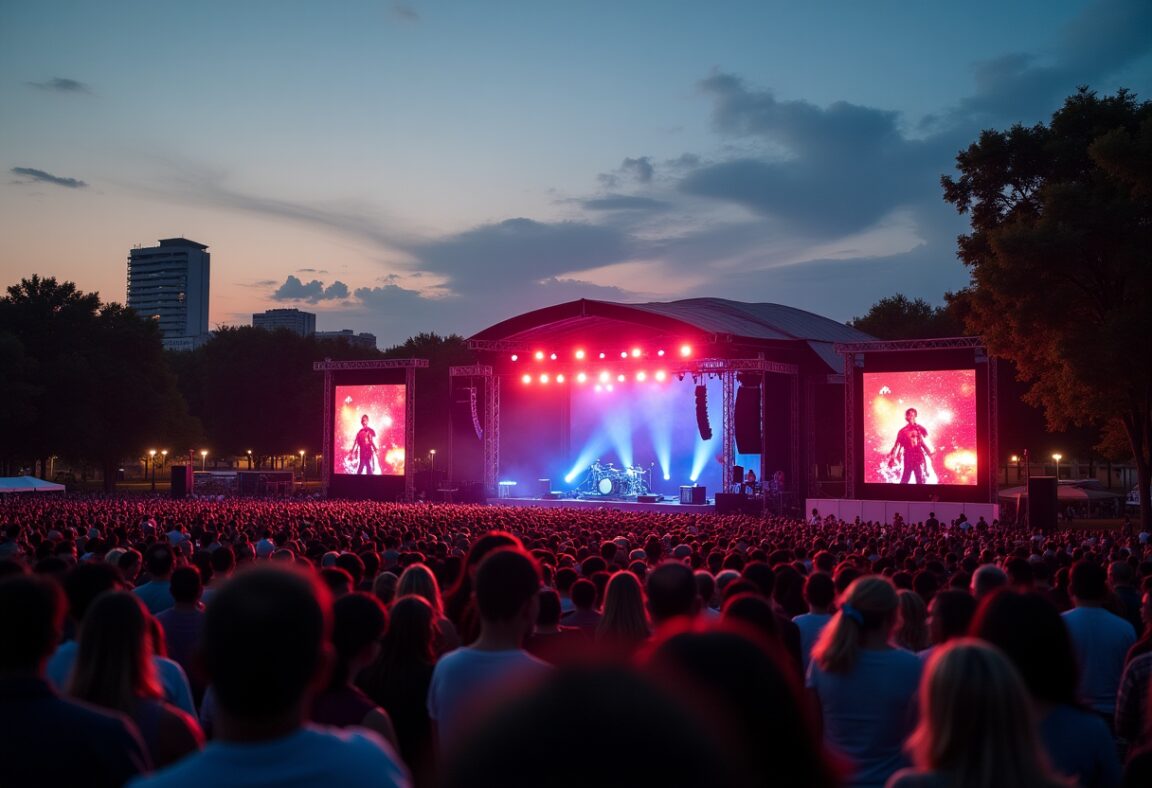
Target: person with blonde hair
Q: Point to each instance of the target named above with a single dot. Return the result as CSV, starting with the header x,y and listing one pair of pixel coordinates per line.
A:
x,y
863,687
624,624
418,580
976,724
114,670
911,632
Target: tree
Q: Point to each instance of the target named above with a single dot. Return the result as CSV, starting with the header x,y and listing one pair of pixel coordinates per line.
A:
x,y
1059,257
895,317
82,380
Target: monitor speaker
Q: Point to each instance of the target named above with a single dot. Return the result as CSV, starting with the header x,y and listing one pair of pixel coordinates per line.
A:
x,y
1042,498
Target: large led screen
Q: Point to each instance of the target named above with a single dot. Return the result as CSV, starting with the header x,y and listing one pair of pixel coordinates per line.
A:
x,y
920,427
369,430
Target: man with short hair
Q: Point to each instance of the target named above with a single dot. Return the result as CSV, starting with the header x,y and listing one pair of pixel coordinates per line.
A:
x,y
156,594
267,652
47,739
1101,639
507,586
672,593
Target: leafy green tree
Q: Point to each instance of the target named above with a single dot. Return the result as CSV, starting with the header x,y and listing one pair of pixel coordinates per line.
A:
x,y
1059,255
897,317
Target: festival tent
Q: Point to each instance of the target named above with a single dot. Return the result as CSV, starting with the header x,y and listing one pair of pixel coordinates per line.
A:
x,y
1087,493
24,484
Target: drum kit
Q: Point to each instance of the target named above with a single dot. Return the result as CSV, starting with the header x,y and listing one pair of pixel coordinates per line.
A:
x,y
608,481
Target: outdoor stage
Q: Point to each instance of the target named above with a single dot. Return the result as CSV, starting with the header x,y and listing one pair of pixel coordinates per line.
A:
x,y
667,506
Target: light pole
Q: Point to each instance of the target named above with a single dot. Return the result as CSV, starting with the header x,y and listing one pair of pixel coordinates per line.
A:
x,y
303,471
249,459
432,453
152,462
203,459
1016,460
1057,457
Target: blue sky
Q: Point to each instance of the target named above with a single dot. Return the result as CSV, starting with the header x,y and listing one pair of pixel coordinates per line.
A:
x,y
400,167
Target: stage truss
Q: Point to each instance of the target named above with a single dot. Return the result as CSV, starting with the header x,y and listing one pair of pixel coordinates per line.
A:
x,y
409,365
724,368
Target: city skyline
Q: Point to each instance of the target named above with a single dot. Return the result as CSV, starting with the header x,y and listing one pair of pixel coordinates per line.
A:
x,y
406,167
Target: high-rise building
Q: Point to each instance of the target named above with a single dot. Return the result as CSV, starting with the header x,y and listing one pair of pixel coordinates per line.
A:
x,y
169,283
363,339
302,323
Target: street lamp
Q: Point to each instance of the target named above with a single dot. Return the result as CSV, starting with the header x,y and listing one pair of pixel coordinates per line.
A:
x,y
203,459
152,462
249,459
1015,458
1057,457
303,471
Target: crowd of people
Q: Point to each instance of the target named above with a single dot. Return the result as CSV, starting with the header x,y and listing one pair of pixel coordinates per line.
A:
x,y
245,642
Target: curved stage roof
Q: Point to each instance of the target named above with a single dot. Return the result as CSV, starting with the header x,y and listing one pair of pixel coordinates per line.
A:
x,y
722,328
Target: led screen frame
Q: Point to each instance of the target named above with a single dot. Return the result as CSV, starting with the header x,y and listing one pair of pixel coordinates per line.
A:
x,y
368,429
376,486
962,482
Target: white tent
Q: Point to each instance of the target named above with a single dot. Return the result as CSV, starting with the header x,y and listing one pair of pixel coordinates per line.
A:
x,y
23,484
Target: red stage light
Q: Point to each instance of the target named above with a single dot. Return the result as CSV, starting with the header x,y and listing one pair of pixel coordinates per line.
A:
x,y
635,352
623,354
641,376
580,354
560,378
544,378
581,377
604,377
660,352
599,388
515,357
661,375
609,387
539,355
526,379
601,355
620,377
685,350
553,356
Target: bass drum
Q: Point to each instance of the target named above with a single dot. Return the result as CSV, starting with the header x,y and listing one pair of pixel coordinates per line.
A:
x,y
608,486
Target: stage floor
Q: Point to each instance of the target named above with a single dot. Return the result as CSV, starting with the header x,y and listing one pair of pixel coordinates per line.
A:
x,y
667,506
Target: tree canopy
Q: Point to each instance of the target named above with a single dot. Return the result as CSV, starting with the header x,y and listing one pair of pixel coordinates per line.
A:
x,y
1059,256
897,317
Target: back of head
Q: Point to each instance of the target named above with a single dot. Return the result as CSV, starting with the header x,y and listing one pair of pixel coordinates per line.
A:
x,y
628,726
86,582
1030,631
976,718
418,579
951,613
549,614
819,590
186,587
507,580
114,655
986,579
869,604
159,560
671,591
583,594
411,631
358,621
1088,582
264,633
31,616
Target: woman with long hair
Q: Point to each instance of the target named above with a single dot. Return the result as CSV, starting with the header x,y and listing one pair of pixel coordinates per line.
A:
x,y
976,724
418,580
398,679
624,623
911,632
1029,630
863,686
114,669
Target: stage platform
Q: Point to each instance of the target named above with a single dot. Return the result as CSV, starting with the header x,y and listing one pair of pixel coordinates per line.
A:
x,y
912,511
667,506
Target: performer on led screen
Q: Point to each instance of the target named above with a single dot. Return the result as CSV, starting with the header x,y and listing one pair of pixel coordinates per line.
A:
x,y
912,444
365,446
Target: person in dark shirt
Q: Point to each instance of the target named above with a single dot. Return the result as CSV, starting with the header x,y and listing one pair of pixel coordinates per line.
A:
x,y
366,447
912,444
98,748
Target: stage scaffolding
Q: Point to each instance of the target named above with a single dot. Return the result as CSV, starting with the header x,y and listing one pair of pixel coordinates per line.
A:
x,y
409,365
726,369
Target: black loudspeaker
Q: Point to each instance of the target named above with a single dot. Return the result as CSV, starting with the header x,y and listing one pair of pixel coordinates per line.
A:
x,y
1042,503
738,474
702,413
693,495
649,498
747,420
181,481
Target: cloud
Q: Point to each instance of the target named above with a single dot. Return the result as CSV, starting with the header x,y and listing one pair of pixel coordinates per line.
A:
x,y
640,168
405,12
61,85
311,271
623,202
313,292
486,258
39,176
